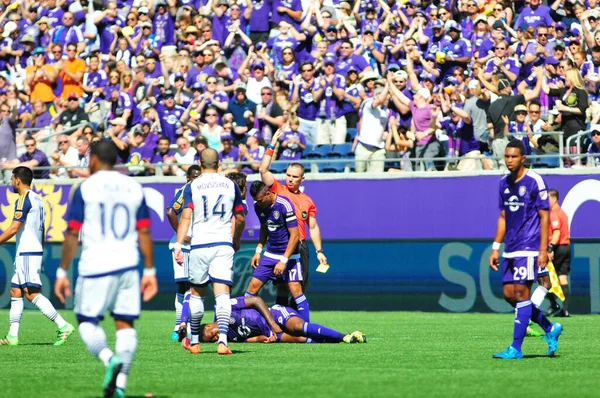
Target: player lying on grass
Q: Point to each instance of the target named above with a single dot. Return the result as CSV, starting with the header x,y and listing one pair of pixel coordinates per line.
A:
x,y
254,322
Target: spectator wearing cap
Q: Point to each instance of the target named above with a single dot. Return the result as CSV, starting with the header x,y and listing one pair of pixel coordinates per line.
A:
x,y
73,116
438,30
259,23
53,11
331,122
241,108
24,50
392,44
68,32
369,145
503,108
8,45
65,155
32,158
169,113
349,59
183,96
559,50
269,115
306,91
501,62
227,17
286,10
229,154
368,82
292,141
593,150
255,71
164,23
40,77
516,130
71,72
553,77
44,38
484,45
458,50
535,15
251,153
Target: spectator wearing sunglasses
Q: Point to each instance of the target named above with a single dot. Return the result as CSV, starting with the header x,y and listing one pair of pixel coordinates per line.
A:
x,y
40,77
64,156
32,157
593,150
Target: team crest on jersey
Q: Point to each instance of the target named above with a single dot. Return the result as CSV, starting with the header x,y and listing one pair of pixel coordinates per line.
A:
x,y
18,214
231,320
304,215
178,203
276,214
522,191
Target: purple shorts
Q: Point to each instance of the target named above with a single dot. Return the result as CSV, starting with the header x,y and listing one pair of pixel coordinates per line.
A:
x,y
264,271
281,314
519,270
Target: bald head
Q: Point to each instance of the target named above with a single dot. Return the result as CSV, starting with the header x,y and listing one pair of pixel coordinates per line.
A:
x,y
209,159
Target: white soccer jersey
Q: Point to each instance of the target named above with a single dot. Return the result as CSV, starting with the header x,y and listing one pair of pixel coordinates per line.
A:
x,y
29,210
177,206
214,199
109,208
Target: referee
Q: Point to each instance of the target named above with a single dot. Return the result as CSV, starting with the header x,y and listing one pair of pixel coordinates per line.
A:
x,y
559,250
306,211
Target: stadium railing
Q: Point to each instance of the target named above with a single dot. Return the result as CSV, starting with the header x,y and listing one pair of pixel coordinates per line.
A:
x,y
44,141
577,138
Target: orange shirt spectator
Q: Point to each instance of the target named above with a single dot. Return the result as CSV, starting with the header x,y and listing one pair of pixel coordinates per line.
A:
x,y
71,72
40,77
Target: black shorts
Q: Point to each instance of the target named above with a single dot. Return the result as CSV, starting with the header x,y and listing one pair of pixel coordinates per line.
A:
x,y
304,257
562,259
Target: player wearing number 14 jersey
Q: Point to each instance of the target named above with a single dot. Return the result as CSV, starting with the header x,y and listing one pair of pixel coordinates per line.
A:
x,y
523,225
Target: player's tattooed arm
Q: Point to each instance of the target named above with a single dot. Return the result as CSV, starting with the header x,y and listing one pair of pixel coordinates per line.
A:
x,y
259,305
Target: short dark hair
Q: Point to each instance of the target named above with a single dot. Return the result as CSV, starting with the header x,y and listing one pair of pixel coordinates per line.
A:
x,y
516,144
193,168
164,137
200,140
535,102
105,151
30,138
554,193
596,49
256,188
24,174
239,179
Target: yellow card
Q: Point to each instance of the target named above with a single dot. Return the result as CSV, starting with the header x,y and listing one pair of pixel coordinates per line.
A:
x,y
323,268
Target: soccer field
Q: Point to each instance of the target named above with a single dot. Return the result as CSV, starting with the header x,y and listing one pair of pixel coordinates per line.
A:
x,y
408,354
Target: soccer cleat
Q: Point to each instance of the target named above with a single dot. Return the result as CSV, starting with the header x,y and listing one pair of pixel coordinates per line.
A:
x,y
355,338
360,336
175,336
63,334
222,349
552,310
109,385
119,393
552,338
531,332
194,349
510,353
9,340
182,332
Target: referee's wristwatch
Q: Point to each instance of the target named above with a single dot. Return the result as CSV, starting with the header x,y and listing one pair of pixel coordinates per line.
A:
x,y
320,252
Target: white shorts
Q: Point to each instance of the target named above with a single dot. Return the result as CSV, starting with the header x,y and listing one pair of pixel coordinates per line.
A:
x,y
210,263
118,293
181,272
27,271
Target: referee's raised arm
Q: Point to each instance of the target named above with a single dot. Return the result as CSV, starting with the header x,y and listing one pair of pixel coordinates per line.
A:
x,y
265,175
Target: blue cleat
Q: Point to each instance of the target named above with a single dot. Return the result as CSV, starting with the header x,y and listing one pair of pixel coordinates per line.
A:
x,y
175,336
510,353
119,393
552,338
110,378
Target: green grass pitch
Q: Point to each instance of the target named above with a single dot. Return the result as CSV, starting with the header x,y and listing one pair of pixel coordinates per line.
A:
x,y
409,354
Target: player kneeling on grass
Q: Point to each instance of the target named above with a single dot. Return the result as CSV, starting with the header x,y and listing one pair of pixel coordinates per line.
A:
x,y
281,260
253,322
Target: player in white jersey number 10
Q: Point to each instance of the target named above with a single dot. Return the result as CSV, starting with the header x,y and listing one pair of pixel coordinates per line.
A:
x,y
28,225
110,212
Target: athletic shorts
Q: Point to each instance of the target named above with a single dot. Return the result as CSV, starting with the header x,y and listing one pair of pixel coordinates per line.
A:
x,y
282,314
27,270
181,271
118,293
211,263
519,270
562,259
264,270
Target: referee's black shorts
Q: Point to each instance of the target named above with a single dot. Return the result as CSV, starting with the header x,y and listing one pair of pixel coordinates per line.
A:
x,y
304,258
562,259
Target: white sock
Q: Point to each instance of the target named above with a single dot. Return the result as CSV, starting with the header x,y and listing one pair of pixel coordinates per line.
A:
x,y
15,314
223,313
196,314
48,309
178,308
125,349
94,338
538,296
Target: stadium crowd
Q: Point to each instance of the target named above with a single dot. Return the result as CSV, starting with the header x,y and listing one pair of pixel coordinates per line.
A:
x,y
386,83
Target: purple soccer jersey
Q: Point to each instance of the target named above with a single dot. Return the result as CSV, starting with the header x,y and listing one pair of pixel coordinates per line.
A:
x,y
245,323
307,108
292,152
277,220
521,202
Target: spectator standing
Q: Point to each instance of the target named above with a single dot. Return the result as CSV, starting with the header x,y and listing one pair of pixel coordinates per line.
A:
x,y
369,146
8,144
40,77
306,92
269,115
331,122
71,72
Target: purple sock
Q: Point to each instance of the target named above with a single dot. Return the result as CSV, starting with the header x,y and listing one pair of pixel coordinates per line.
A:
x,y
303,309
185,310
522,317
318,332
538,317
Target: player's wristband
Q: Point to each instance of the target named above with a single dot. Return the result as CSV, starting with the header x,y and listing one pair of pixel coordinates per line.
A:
x,y
61,273
269,152
284,259
271,146
258,250
496,246
176,245
551,248
149,271
320,252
